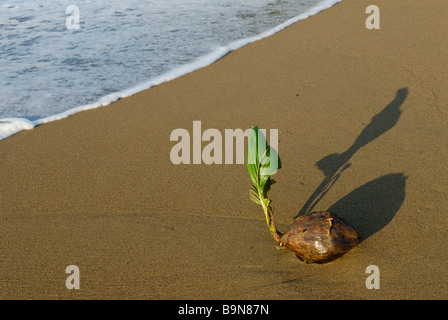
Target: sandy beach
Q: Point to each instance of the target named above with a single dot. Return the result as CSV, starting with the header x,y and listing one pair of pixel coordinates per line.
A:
x,y
362,124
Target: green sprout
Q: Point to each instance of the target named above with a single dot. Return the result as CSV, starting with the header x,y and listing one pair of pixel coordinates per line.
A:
x,y
320,236
262,162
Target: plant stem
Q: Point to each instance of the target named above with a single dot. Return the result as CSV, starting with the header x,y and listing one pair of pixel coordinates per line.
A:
x,y
272,227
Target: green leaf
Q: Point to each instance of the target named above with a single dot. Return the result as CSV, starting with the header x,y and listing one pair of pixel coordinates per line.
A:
x,y
262,162
254,196
270,162
252,156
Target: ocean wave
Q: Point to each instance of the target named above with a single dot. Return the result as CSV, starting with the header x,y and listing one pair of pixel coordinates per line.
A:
x,y
12,125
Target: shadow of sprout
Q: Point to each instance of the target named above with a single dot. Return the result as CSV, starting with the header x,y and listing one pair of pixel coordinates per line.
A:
x,y
371,206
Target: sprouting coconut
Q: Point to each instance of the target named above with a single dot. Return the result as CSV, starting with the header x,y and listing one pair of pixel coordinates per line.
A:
x,y
316,237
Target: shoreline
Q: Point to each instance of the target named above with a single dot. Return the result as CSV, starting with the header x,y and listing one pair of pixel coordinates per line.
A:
x,y
12,125
361,120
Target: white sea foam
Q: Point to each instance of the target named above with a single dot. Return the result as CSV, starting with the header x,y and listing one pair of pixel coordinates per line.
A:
x,y
12,125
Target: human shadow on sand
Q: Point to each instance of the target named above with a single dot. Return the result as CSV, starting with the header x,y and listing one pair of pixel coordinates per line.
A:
x,y
372,206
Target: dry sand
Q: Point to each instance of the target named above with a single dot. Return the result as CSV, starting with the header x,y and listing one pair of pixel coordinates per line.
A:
x,y
362,122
